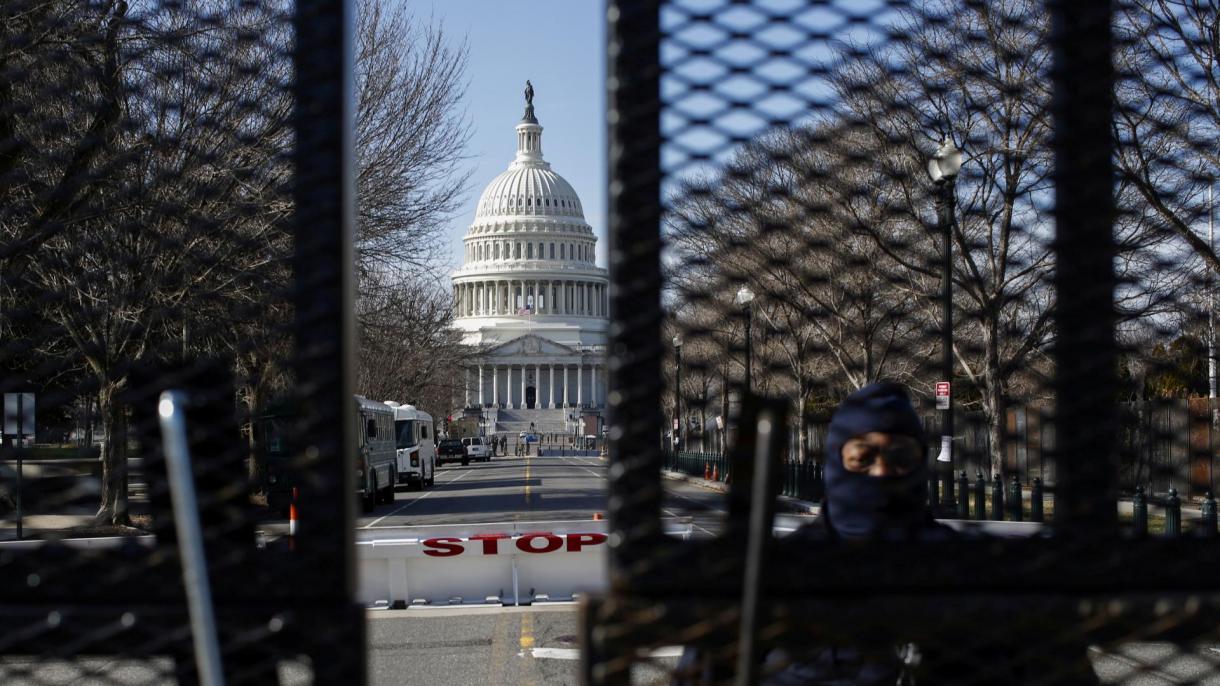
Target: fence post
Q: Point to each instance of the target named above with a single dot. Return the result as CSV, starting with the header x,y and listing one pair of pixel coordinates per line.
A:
x,y
997,497
1209,516
1015,501
933,492
1139,513
1035,501
980,498
963,493
1173,513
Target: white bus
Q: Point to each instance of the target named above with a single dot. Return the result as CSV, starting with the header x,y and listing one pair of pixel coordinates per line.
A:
x,y
416,446
375,475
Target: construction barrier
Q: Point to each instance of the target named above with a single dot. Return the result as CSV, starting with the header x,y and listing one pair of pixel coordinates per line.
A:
x,y
501,563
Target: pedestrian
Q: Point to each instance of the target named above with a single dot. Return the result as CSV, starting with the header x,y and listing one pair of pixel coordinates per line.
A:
x,y
876,475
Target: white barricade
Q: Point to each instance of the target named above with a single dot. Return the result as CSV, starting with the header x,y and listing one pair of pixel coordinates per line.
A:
x,y
506,563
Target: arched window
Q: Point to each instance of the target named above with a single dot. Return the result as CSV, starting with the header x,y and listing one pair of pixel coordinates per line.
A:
x,y
529,251
496,251
517,252
563,251
552,251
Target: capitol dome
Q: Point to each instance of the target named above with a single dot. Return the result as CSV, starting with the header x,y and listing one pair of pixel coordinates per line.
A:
x,y
529,296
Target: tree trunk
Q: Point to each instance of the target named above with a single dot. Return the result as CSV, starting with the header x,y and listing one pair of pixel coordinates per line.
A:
x,y
113,508
254,459
993,397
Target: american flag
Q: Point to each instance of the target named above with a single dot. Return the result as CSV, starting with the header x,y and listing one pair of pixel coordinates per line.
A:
x,y
526,310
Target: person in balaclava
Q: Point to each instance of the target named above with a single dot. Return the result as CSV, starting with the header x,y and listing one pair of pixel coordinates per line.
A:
x,y
875,474
876,478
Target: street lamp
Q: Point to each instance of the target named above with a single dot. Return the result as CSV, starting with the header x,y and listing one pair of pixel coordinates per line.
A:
x,y
679,427
744,298
943,167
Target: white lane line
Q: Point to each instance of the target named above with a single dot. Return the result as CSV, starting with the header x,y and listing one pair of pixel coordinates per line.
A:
x,y
675,515
409,504
702,505
580,466
574,653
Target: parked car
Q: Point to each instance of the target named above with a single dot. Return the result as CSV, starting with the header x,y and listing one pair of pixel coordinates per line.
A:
x,y
477,448
527,437
451,450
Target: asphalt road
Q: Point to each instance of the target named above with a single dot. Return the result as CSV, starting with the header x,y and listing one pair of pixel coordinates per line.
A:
x,y
511,489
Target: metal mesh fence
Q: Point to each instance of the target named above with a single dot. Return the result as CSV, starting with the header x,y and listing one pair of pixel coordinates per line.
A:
x,y
1005,208
174,215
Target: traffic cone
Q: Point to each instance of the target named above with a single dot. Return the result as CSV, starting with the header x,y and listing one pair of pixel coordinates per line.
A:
x,y
597,516
707,471
292,520
716,473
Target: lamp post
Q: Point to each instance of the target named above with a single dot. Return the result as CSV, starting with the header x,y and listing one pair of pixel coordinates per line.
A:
x,y
943,167
745,298
679,427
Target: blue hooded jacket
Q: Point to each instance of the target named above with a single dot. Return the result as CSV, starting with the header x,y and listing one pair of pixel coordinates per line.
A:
x,y
862,506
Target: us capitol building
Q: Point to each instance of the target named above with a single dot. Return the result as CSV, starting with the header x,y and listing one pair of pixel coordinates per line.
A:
x,y
531,301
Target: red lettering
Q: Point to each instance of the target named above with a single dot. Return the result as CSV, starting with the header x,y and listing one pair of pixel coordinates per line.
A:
x,y
490,542
553,543
445,546
576,541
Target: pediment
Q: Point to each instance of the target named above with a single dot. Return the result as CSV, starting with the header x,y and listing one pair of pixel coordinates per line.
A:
x,y
528,345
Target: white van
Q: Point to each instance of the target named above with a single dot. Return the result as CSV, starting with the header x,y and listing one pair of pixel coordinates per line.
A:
x,y
477,448
416,444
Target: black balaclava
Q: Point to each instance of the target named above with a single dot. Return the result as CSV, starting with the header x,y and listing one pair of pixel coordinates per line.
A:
x,y
859,505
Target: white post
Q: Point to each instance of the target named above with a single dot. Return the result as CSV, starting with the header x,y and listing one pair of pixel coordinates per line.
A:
x,y
1211,304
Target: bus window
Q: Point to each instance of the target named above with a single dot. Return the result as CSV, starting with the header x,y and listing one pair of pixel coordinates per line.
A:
x,y
406,433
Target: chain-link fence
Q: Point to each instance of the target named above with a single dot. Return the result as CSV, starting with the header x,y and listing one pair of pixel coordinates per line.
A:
x,y
1004,207
175,215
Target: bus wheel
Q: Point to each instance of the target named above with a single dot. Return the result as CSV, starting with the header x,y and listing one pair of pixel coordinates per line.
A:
x,y
431,478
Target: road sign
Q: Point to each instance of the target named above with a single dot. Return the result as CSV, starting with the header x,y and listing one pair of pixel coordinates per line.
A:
x,y
19,414
942,395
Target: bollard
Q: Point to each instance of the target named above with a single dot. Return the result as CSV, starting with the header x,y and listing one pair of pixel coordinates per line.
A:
x,y
1015,503
1139,512
997,497
1208,521
1035,501
980,497
1173,513
963,496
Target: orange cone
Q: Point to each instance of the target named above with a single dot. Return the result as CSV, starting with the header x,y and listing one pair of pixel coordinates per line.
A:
x,y
292,520
716,473
707,471
597,516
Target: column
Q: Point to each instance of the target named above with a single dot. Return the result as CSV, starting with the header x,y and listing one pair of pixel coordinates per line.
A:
x,y
522,385
481,400
565,385
563,303
467,384
495,385
550,393
508,387
580,384
538,386
593,385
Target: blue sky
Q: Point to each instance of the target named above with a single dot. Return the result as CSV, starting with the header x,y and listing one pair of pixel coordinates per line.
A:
x,y
559,46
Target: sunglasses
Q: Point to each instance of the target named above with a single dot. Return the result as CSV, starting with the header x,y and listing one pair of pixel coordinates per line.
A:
x,y
903,455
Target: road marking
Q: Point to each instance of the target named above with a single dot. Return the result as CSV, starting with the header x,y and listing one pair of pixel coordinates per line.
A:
x,y
409,504
527,631
675,515
579,466
574,653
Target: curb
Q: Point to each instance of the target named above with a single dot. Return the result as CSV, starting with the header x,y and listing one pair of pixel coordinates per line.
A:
x,y
787,504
